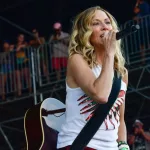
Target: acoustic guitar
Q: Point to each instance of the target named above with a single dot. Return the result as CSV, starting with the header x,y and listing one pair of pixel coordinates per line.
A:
x,y
42,124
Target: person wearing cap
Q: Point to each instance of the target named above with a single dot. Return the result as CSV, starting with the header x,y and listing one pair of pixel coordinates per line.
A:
x,y
60,42
139,140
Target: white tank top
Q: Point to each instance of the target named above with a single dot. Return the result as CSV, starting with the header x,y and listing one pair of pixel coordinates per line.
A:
x,y
79,108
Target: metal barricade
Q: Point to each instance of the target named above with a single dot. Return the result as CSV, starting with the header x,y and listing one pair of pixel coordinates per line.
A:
x,y
24,71
51,68
137,46
16,72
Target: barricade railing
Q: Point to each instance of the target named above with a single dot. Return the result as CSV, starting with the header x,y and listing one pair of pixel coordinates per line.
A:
x,y
137,46
51,64
16,72
25,70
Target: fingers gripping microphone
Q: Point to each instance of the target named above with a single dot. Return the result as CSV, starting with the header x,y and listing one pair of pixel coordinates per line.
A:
x,y
127,31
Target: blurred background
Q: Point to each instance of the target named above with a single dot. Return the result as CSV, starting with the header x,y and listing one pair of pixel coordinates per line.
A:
x,y
27,73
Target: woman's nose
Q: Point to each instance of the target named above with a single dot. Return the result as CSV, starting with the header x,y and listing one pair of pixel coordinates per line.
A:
x,y
104,27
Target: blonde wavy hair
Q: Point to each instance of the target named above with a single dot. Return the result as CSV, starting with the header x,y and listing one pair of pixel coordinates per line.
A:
x,y
80,39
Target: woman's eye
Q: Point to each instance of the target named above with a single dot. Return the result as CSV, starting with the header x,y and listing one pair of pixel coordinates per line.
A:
x,y
108,22
95,23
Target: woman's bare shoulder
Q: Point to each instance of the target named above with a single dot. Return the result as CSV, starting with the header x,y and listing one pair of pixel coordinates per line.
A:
x,y
74,57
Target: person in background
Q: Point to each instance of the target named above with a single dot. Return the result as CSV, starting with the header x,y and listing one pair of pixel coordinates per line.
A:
x,y
141,10
38,43
59,41
139,139
22,65
6,69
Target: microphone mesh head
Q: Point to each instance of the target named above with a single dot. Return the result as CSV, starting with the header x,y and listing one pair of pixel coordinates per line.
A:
x,y
137,27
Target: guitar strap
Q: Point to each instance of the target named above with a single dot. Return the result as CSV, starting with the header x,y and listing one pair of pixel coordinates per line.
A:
x,y
97,119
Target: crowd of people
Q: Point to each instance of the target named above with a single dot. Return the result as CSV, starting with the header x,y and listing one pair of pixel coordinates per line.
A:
x,y
15,60
139,138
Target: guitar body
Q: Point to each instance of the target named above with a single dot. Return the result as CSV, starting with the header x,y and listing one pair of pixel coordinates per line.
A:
x,y
41,130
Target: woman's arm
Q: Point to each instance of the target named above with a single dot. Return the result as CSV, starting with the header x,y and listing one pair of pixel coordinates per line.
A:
x,y
97,88
122,132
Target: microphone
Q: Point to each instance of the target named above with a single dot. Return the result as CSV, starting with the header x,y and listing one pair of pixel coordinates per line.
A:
x,y
127,31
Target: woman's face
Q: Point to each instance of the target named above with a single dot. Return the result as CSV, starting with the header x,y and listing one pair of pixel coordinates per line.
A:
x,y
100,25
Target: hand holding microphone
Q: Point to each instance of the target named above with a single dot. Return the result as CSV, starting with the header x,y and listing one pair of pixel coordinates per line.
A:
x,y
110,38
127,31
109,42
